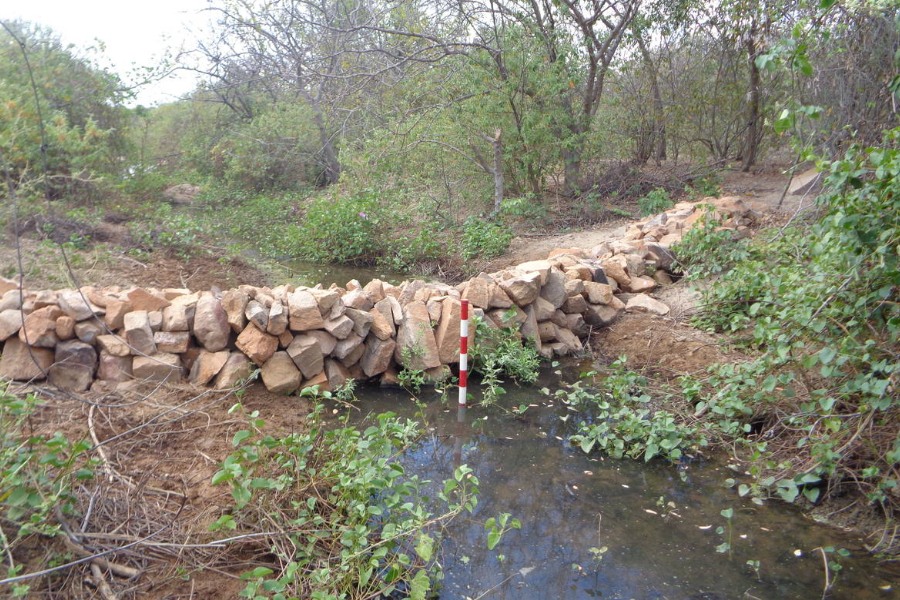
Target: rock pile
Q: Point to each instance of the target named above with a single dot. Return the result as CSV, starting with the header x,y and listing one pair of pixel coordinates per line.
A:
x,y
299,336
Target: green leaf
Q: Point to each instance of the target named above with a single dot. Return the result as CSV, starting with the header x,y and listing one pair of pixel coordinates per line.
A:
x,y
239,437
419,586
728,513
257,573
425,547
493,538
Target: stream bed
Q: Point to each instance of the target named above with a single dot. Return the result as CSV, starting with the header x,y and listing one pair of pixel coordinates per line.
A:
x,y
595,527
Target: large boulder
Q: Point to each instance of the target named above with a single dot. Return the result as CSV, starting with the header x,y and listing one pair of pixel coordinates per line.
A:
x,y
280,375
162,366
303,311
211,327
22,363
416,347
138,333
258,345
306,353
378,356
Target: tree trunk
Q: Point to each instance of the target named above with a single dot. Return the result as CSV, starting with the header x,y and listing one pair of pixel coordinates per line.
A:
x,y
658,136
497,170
751,141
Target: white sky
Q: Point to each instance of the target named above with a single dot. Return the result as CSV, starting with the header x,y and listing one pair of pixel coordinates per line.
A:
x,y
135,33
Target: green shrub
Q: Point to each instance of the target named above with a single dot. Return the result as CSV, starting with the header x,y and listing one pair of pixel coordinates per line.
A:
x,y
654,202
484,239
706,249
499,354
342,229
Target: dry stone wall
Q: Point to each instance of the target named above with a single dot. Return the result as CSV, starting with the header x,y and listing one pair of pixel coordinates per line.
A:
x,y
299,336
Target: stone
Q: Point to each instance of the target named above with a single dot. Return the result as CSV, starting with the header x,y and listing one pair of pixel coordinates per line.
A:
x,y
177,317
574,252
448,331
10,323
11,300
113,345
662,278
7,285
598,293
237,369
74,366
542,267
641,285
559,318
87,331
337,374
182,194
39,328
569,339
142,299
575,286
522,290
76,305
601,315
478,292
176,342
285,339
234,302
409,290
211,326
498,298
258,314
547,331
207,365
325,299
43,299
327,342
278,319
357,299
114,368
115,313
138,333
303,311
352,359
553,290
307,354
362,321
162,366
378,356
21,363
416,347
381,327
529,328
668,241
346,346
575,305
646,304
434,308
65,327
543,310
155,318
319,381
659,255
280,375
257,345
375,290
340,327
615,269
577,325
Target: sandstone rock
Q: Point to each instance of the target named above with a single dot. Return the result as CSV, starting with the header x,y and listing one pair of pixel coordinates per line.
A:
x,y
115,313
614,268
11,300
39,329
575,252
307,355
114,368
375,290
559,318
662,278
65,327
7,285
155,319
522,290
543,310
641,285
74,366
357,299
278,319
182,194
280,375
478,292
21,363
42,299
87,331
176,342
304,312
434,308
207,365
381,327
569,340
409,290
113,345
237,368
337,374
577,325
542,267
554,288
660,255
575,305
326,299
644,303
138,333
529,328
10,323
211,327
416,347
601,315
547,331
319,381
669,240
285,339
340,327
346,346
574,286
447,332
598,293
362,321
498,298
142,299
257,345
162,366
580,272
378,356
76,305
327,342
177,317
258,314
234,302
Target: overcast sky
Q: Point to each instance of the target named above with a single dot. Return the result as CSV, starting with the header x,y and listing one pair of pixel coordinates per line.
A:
x,y
135,33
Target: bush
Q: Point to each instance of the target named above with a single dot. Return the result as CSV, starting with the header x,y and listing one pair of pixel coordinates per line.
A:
x,y
484,239
342,229
654,202
498,354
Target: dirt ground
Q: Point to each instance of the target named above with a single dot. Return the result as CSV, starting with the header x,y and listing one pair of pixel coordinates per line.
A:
x,y
161,446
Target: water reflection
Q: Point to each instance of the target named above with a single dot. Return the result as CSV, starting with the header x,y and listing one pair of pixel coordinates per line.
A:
x,y
570,504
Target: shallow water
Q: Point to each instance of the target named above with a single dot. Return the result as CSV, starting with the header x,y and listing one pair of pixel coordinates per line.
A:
x,y
570,503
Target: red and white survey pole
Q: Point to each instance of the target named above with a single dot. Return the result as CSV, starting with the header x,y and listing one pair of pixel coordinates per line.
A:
x,y
463,351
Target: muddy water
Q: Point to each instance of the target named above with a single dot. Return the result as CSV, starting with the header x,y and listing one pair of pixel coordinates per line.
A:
x,y
595,527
